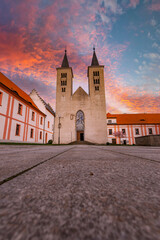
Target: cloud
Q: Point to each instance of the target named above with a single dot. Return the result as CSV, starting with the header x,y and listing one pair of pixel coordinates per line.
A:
x,y
152,56
155,5
133,3
153,22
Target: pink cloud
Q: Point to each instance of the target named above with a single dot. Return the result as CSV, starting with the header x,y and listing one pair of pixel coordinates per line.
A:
x,y
133,3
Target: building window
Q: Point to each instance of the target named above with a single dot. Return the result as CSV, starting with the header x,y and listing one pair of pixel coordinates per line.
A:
x,y
96,88
96,73
63,75
137,131
41,121
63,89
110,131
109,121
18,130
124,131
33,116
32,131
150,130
40,135
48,124
20,109
63,83
1,94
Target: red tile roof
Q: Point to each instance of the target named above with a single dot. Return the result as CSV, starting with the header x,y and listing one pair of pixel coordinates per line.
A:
x,y
138,118
16,90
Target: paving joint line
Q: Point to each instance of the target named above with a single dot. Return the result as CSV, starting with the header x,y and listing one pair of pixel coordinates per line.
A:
x,y
30,168
151,160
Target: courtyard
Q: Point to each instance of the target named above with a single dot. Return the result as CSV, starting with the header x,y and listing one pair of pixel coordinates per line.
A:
x,y
79,192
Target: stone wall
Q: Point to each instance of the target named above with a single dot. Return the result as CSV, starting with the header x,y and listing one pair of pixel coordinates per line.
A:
x,y
150,140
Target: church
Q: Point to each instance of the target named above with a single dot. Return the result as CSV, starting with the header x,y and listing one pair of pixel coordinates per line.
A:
x,y
80,116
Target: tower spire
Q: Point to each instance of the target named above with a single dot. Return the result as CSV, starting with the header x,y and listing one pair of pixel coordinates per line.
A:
x,y
65,63
94,58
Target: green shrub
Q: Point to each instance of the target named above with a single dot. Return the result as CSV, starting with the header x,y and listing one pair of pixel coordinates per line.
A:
x,y
50,141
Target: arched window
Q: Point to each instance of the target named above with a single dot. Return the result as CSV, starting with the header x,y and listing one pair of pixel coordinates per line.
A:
x,y
80,121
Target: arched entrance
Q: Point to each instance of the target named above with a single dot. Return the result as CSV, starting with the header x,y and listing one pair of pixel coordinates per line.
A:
x,y
80,125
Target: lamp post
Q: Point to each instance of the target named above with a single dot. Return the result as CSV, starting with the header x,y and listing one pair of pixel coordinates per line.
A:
x,y
59,127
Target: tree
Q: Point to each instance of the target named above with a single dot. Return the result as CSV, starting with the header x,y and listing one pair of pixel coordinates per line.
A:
x,y
119,134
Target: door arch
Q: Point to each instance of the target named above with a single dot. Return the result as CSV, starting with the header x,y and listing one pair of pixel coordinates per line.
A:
x,y
80,125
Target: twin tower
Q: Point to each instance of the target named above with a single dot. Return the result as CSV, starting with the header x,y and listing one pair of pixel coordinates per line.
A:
x,y
80,116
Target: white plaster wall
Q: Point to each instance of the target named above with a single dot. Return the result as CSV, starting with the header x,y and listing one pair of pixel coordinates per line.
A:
x,y
15,110
2,123
3,107
13,131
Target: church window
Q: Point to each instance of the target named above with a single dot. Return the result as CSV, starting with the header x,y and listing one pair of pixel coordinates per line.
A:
x,y
137,131
80,121
63,75
110,131
150,130
18,130
31,134
1,94
63,89
96,88
96,73
20,109
63,83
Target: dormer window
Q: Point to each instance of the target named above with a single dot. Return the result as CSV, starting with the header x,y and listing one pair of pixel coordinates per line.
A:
x,y
63,75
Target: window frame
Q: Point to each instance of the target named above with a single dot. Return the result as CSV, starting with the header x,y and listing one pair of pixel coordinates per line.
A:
x,y
110,132
41,121
19,128
40,135
20,108
149,131
137,133
33,116
1,96
31,133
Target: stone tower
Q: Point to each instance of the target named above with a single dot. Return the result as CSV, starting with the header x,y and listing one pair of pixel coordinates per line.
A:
x,y
80,116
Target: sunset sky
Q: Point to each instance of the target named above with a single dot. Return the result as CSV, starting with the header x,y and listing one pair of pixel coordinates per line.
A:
x,y
126,34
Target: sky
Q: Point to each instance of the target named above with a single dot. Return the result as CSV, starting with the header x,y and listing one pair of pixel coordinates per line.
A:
x,y
125,33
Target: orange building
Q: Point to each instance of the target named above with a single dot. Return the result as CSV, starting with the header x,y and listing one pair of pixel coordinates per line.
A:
x,y
20,118
129,126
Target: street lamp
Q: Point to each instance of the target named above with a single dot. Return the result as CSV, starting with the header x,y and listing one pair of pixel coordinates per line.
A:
x,y
59,127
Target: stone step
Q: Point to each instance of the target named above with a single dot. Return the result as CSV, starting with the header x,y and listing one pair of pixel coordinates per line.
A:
x,y
81,142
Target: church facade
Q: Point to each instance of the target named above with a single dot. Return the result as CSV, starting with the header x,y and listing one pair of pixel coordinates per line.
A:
x,y
80,116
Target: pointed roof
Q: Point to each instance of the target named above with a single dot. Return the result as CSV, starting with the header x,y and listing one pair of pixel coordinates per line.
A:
x,y
94,59
47,105
65,63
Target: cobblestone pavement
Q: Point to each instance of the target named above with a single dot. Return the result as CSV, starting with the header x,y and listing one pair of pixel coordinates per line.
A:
x,y
79,192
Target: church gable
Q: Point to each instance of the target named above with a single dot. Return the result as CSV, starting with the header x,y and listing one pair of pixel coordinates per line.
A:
x,y
80,93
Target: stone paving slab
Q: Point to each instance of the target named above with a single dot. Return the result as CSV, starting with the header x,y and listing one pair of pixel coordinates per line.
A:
x,y
16,158
84,193
152,153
